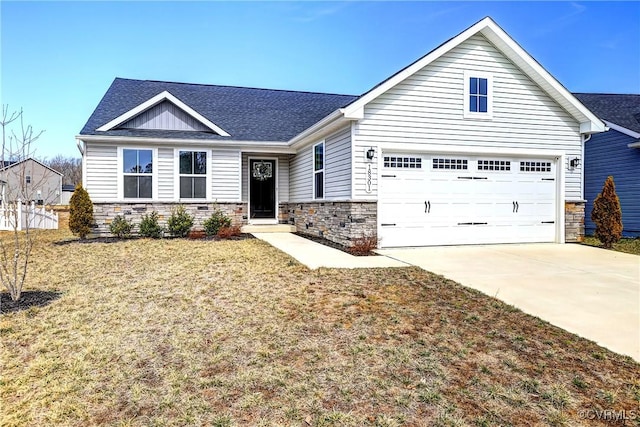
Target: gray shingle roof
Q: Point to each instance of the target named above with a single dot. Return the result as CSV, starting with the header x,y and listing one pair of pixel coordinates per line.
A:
x,y
622,110
247,114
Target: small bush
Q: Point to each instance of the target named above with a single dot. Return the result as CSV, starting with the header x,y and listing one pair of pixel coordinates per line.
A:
x,y
363,245
180,222
149,226
227,232
80,212
120,227
217,221
607,215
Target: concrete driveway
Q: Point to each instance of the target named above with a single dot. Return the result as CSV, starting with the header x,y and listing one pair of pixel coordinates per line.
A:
x,y
588,291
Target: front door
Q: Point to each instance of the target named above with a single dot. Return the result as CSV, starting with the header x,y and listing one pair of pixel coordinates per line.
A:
x,y
262,189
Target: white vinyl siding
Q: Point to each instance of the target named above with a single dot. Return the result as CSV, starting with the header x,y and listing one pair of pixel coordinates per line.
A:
x,y
283,174
225,175
301,176
425,112
101,171
165,116
165,174
337,168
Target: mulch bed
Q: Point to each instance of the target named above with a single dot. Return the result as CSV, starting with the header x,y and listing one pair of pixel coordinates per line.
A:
x,y
27,300
333,245
242,236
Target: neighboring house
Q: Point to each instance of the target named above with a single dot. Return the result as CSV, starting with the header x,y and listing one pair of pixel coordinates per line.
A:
x,y
30,181
616,153
67,192
469,144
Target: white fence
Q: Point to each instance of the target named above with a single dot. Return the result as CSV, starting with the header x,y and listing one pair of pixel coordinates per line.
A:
x,y
28,215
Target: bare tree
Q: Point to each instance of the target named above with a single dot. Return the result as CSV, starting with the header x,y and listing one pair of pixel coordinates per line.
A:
x,y
17,187
70,167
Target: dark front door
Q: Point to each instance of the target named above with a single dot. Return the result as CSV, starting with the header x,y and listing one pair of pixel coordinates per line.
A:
x,y
262,189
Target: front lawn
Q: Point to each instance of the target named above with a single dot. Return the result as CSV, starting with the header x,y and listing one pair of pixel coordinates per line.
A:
x,y
630,246
188,333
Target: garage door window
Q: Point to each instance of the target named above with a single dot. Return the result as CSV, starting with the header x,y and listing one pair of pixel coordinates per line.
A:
x,y
403,162
494,165
450,164
535,166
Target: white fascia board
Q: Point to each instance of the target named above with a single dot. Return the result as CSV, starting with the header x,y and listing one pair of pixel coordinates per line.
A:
x,y
623,130
253,146
512,50
164,96
313,133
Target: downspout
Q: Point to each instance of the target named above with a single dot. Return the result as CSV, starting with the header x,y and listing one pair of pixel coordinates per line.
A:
x,y
585,138
80,146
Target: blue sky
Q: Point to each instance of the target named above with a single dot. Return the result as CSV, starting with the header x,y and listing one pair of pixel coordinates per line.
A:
x,y
59,58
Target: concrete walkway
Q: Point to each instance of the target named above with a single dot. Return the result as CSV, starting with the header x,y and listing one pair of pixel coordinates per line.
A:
x,y
588,291
314,255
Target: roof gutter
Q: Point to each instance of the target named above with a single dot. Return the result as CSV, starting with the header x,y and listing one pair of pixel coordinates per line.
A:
x,y
80,145
324,126
623,130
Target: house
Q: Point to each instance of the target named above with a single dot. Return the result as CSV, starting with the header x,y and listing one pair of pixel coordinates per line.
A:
x,y
614,153
469,144
67,192
30,180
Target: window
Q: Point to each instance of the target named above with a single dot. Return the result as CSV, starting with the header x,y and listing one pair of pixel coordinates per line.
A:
x,y
535,166
477,95
28,179
137,169
494,165
193,170
452,164
318,171
403,162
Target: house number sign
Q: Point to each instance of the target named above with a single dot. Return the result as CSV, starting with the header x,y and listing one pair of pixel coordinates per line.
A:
x,y
368,186
262,171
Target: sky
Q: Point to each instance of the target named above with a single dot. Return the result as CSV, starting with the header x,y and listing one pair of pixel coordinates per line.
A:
x,y
59,58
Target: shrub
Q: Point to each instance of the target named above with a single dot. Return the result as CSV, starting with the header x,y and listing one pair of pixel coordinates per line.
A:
x,y
180,222
228,231
363,245
607,215
120,227
80,212
149,226
217,221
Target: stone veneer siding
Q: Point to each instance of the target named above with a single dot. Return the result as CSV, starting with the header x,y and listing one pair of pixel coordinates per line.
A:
x,y
104,213
340,222
574,221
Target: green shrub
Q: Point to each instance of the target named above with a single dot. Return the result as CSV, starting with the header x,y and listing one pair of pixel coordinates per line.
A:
x,y
217,221
80,212
180,222
120,227
149,226
607,215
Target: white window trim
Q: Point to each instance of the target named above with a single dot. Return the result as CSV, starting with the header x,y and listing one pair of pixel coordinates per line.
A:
x,y
176,176
276,184
154,174
475,115
314,171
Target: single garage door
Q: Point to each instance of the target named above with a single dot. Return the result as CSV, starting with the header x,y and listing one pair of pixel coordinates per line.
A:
x,y
461,199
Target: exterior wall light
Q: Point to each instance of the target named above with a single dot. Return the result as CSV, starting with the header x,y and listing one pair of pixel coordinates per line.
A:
x,y
370,153
574,163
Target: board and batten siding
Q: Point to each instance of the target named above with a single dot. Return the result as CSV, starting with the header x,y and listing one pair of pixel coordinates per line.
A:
x,y
425,111
164,116
607,154
165,170
337,167
101,171
225,175
283,174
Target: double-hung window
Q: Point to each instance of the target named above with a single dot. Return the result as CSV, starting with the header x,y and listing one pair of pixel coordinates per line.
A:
x,y
193,171
318,171
137,173
478,97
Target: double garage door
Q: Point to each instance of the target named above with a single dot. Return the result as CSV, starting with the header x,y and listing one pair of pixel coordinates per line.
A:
x,y
459,199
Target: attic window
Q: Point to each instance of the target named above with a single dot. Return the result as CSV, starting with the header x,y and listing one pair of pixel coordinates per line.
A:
x,y
478,95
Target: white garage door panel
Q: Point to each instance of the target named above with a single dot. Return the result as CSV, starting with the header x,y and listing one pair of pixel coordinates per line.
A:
x,y
458,199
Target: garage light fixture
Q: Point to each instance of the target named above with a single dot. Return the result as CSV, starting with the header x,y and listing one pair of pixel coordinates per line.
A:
x,y
574,163
370,153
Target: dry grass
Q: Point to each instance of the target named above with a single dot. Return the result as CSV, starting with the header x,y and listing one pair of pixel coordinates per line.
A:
x,y
234,333
630,246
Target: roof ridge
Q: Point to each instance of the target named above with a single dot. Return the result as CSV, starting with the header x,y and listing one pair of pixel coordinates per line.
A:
x,y
606,93
237,87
